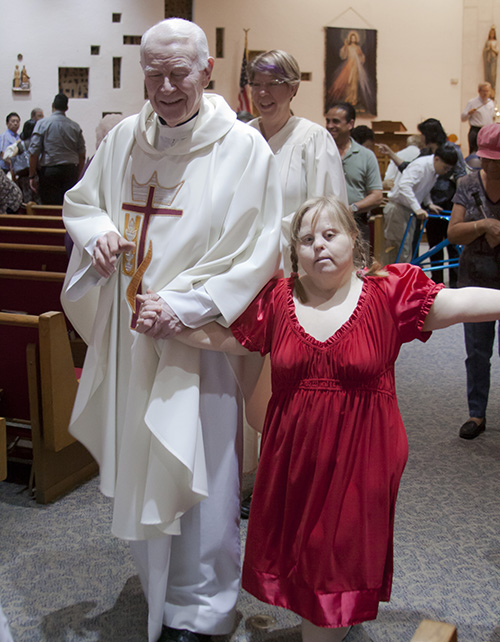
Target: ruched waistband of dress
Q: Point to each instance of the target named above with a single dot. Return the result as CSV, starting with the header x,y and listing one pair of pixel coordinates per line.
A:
x,y
331,384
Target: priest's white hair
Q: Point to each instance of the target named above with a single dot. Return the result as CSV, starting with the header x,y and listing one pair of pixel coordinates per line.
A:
x,y
180,30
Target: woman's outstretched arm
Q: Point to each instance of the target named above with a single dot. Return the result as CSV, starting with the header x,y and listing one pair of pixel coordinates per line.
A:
x,y
463,305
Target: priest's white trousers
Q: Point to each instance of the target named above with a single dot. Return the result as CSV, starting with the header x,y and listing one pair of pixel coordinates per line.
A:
x,y
191,581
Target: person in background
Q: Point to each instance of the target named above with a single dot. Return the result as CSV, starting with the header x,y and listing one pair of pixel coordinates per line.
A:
x,y
36,114
364,136
9,137
479,111
475,223
57,154
442,195
320,535
10,195
442,192
411,194
414,144
19,157
360,165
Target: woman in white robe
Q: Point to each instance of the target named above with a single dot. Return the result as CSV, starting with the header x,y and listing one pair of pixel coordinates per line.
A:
x,y
308,159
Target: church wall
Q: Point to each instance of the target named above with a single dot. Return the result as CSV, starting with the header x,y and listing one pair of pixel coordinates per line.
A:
x,y
428,62
479,16
419,50
59,33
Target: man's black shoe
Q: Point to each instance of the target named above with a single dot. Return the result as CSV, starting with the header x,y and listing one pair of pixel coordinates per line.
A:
x,y
170,634
471,429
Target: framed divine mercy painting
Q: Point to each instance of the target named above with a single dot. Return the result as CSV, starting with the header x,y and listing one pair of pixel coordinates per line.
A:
x,y
351,68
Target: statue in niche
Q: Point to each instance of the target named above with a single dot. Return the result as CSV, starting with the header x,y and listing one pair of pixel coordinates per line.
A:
x,y
25,79
16,83
490,55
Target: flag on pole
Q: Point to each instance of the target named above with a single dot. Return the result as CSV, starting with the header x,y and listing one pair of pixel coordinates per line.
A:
x,y
244,100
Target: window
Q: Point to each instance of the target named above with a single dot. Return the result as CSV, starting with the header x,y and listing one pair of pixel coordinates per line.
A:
x,y
74,81
117,71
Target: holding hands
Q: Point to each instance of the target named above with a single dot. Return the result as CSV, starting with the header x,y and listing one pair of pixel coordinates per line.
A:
x,y
156,318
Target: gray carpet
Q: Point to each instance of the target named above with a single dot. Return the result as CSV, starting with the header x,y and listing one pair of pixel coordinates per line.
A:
x,y
64,578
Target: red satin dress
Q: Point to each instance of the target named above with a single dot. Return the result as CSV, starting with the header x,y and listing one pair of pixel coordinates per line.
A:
x,y
320,534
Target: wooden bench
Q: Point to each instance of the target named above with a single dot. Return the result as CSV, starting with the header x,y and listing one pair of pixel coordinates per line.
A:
x,y
33,256
430,631
39,385
40,210
28,234
27,220
30,291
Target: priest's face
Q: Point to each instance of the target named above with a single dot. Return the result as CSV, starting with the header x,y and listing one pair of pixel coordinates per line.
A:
x,y
173,77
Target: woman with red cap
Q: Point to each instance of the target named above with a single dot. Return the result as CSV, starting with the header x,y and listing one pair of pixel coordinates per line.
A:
x,y
475,223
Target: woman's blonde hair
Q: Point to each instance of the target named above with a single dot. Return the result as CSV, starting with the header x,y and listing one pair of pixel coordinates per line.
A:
x,y
280,64
340,214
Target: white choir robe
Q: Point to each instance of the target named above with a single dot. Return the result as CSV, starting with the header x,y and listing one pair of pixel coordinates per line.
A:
x,y
203,204
309,164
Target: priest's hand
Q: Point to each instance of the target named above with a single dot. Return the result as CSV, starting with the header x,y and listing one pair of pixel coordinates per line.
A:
x,y
107,251
156,318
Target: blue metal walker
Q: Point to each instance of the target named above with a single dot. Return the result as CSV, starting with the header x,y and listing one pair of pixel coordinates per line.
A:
x,y
425,261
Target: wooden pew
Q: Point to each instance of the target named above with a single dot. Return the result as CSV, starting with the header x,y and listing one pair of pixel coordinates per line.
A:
x,y
40,210
33,256
430,631
29,234
30,291
26,220
59,462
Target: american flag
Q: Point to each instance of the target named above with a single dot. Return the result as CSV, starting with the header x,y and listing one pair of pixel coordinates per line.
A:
x,y
244,101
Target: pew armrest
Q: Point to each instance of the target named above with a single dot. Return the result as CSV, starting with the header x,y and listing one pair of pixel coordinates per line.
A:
x,y
430,631
58,380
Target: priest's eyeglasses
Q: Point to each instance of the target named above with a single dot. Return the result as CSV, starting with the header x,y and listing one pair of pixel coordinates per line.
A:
x,y
272,84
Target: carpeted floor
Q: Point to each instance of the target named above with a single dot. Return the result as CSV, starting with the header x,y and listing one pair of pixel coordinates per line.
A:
x,y
64,578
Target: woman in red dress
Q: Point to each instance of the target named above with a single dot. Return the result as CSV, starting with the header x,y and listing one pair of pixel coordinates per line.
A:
x,y
320,535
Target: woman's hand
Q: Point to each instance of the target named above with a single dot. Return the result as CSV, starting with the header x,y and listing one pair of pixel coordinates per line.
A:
x,y
157,319
492,233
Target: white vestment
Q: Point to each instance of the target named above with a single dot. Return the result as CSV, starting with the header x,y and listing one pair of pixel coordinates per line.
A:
x,y
309,164
202,203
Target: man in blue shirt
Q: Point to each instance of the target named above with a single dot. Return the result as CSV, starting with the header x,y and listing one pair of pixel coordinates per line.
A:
x,y
9,136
